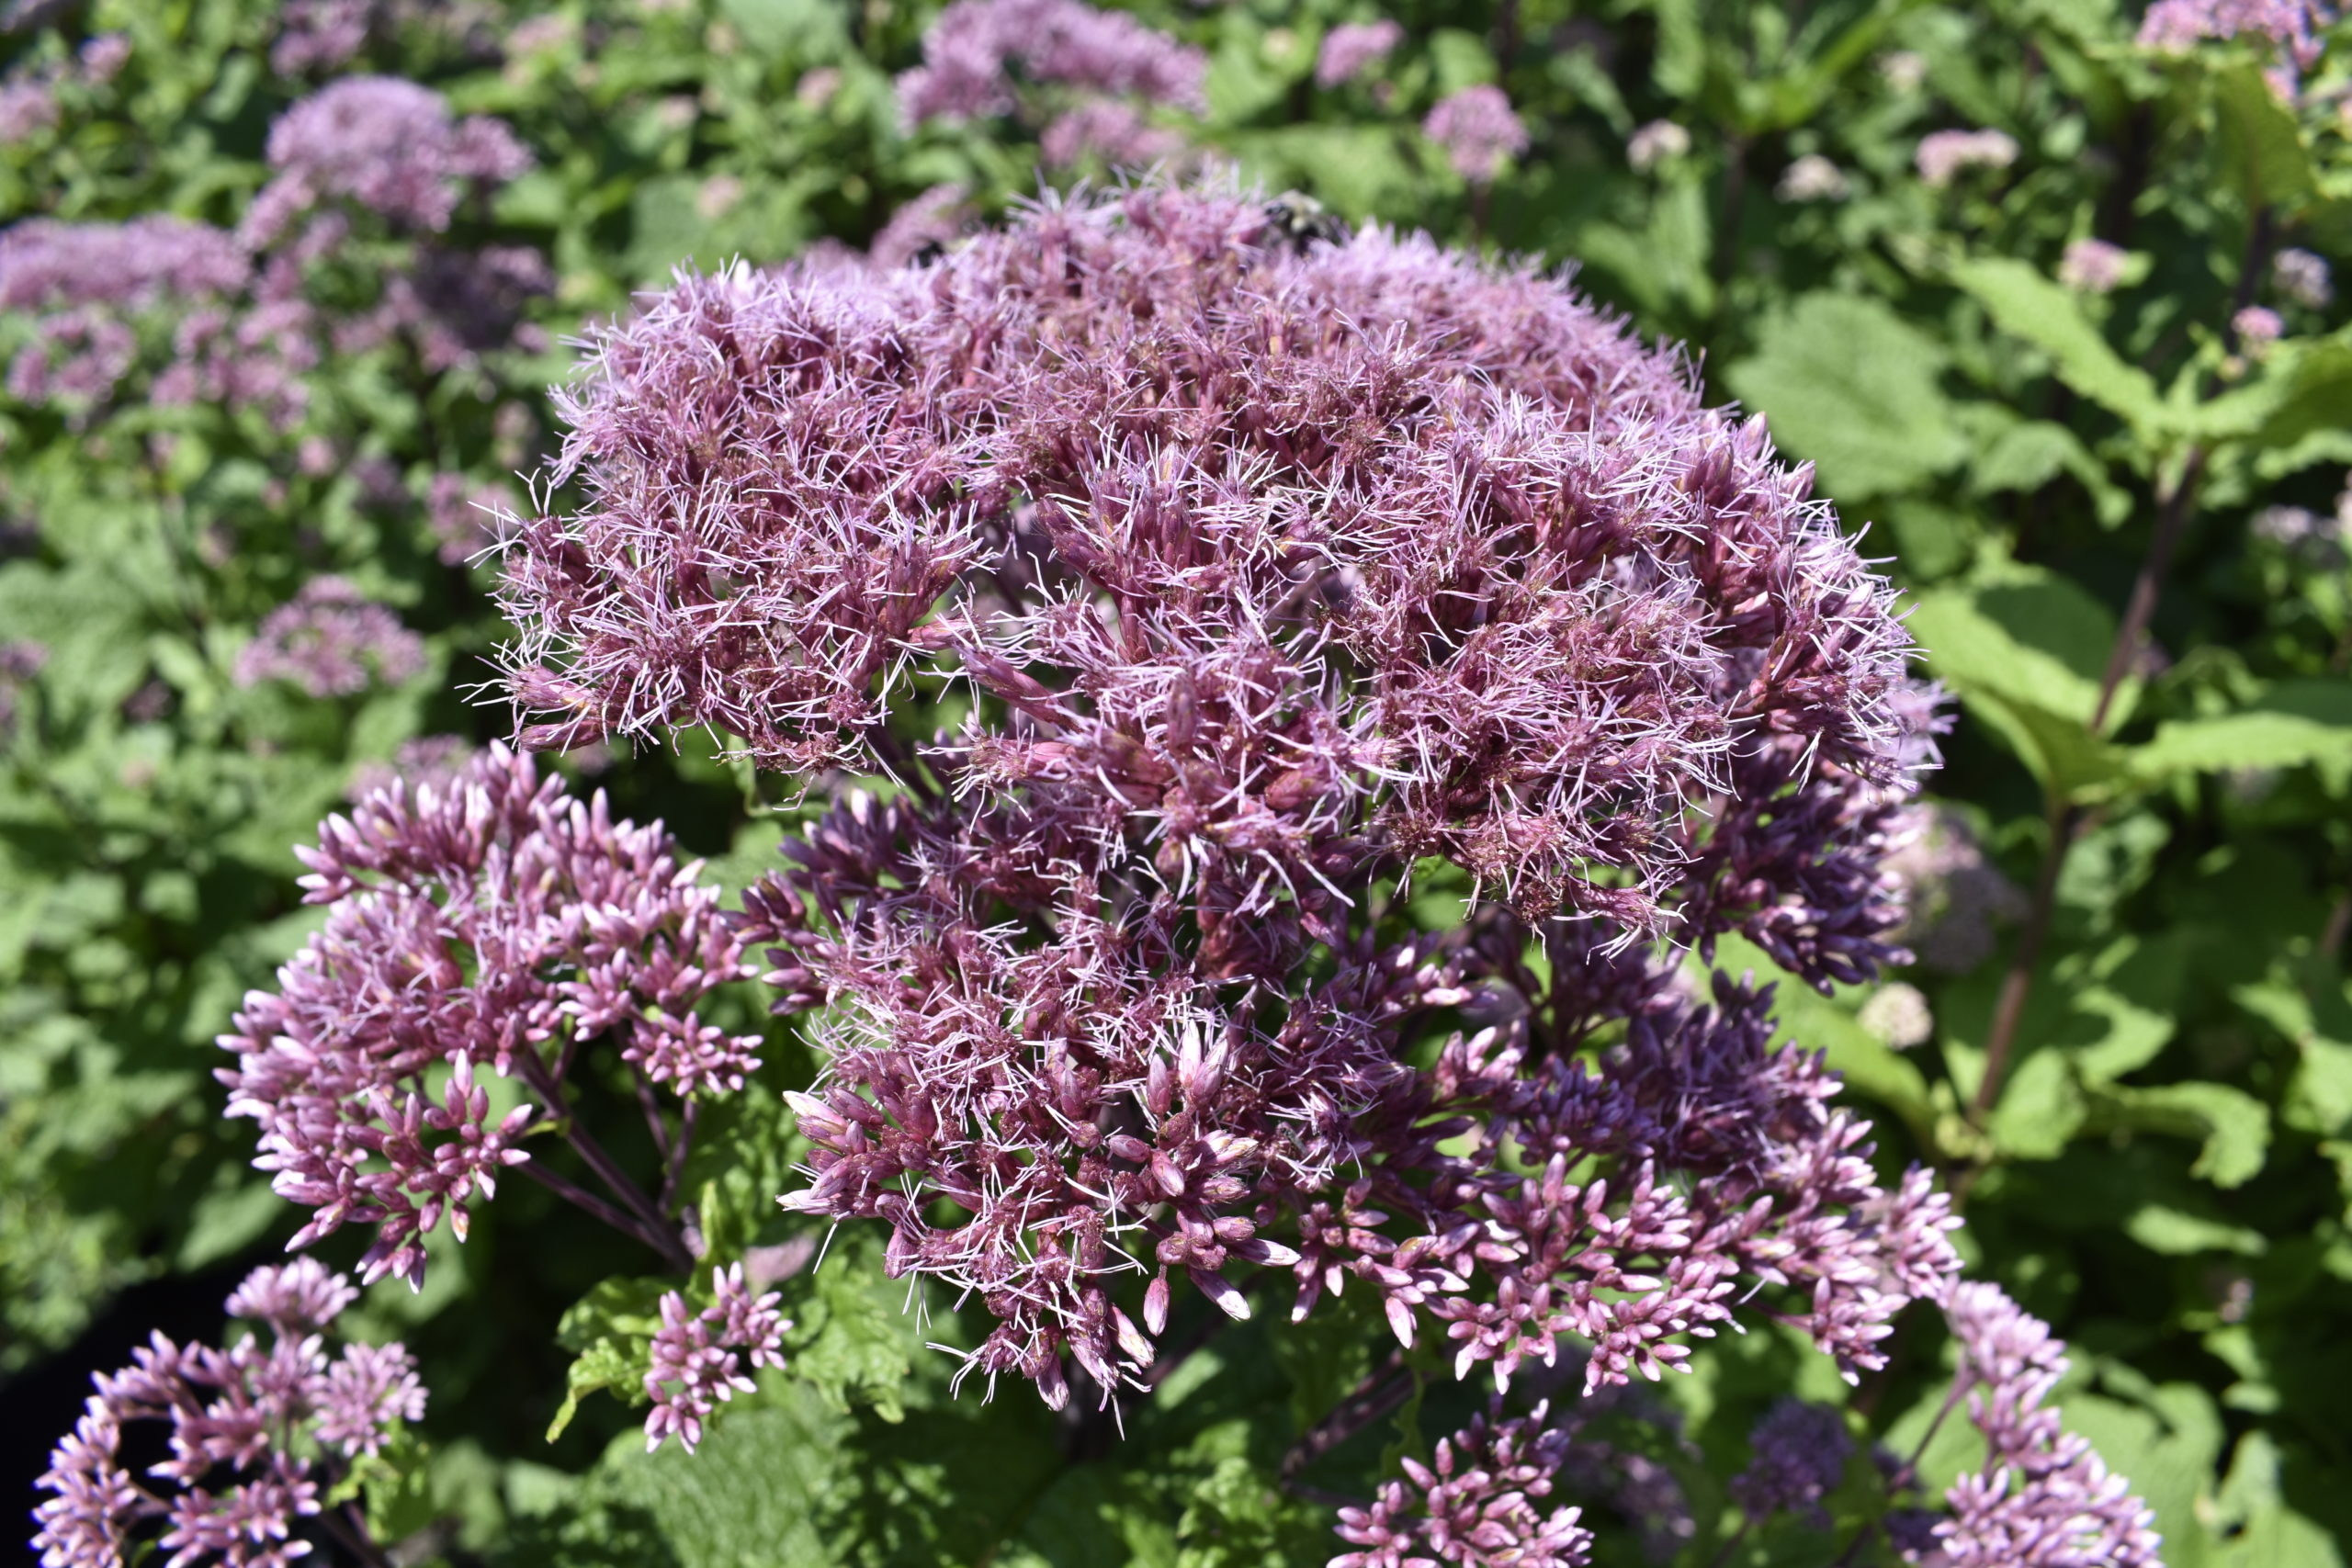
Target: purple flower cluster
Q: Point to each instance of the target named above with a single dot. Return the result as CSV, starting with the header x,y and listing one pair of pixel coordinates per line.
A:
x,y
2295,26
389,146
1352,47
1953,895
2044,1499
1276,571
2092,266
1478,130
972,51
258,1435
28,96
90,286
237,309
700,1357
331,642
1798,1455
488,924
1473,1504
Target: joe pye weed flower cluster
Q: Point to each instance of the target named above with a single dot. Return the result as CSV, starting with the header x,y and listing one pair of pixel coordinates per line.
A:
x,y
1160,596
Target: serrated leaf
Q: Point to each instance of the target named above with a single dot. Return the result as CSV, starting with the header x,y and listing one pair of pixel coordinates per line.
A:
x,y
2024,304
1851,386
854,1339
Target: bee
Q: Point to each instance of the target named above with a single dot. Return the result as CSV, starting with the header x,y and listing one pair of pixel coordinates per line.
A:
x,y
1301,220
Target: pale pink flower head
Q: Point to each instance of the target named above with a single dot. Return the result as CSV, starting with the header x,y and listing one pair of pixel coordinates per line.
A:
x,y
386,145
979,52
331,642
1943,154
2258,326
1479,131
2092,266
1813,178
1353,48
1660,142
2042,1499
2304,276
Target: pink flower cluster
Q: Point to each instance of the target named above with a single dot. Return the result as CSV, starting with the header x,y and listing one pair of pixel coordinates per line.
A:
x,y
258,1435
331,642
238,308
490,923
700,1357
1479,131
1943,154
1798,1457
1352,47
972,51
1476,1504
1275,570
2295,26
389,145
2044,1499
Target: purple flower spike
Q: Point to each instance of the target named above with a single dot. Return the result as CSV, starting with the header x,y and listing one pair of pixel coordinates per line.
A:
x,y
2044,1499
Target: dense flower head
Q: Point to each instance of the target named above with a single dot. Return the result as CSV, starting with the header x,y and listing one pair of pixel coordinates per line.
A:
x,y
972,54
1953,896
2092,266
258,1433
1660,142
1475,1502
1943,154
48,265
2258,326
1797,1455
1276,567
2304,277
389,146
1813,178
2044,1499
488,924
331,642
1352,47
1478,130
700,1357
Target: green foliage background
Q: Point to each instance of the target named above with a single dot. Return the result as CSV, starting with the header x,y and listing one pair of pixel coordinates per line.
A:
x,y
2162,1168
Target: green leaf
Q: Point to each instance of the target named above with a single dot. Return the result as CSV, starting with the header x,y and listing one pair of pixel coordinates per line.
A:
x,y
2178,1233
2262,148
855,1338
2042,1108
2024,304
2299,722
1851,386
2234,1126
